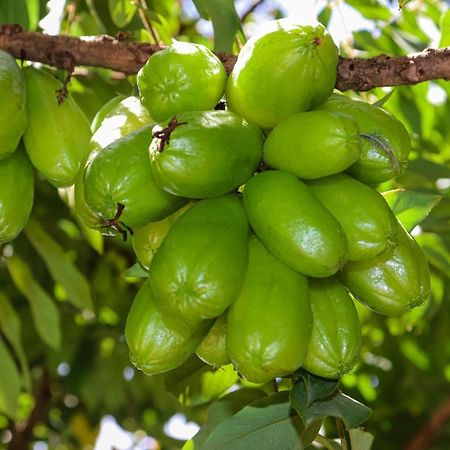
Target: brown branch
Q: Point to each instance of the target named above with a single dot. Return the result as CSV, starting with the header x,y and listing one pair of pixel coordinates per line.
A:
x,y
128,57
431,429
251,9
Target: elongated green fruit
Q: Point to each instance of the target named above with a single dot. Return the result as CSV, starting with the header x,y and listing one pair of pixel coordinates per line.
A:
x,y
392,283
119,187
213,349
313,144
57,135
293,224
16,194
159,342
335,344
369,224
385,143
269,324
13,117
199,268
271,63
205,154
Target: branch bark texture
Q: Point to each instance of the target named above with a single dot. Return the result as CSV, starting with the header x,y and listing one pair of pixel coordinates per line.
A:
x,y
66,52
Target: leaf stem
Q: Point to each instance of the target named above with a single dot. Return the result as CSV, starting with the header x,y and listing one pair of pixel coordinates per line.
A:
x,y
143,8
342,435
324,442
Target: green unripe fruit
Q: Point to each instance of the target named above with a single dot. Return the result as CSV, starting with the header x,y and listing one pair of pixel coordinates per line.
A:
x,y
105,110
182,77
335,344
213,349
313,144
159,342
13,115
119,187
285,70
148,239
293,224
368,223
57,135
16,194
385,143
392,283
269,324
198,270
205,154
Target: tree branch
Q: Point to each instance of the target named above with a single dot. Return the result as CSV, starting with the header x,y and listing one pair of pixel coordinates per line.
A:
x,y
64,52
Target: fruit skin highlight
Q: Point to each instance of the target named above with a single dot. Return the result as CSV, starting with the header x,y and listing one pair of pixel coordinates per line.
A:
x,y
335,344
182,77
205,154
260,87
269,324
394,282
294,225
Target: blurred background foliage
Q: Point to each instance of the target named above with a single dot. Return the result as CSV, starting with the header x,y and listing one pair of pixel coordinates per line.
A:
x,y
63,359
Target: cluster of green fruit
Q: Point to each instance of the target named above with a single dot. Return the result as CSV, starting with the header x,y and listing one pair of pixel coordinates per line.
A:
x,y
253,235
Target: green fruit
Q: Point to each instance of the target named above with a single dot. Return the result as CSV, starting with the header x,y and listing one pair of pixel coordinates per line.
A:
x,y
159,342
392,283
12,110
118,118
213,349
294,225
288,69
313,144
198,270
148,239
16,194
335,344
369,224
57,135
385,143
119,187
269,324
182,77
205,154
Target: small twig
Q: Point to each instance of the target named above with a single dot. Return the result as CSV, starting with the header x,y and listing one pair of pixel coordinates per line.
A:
x,y
251,10
324,442
342,434
143,8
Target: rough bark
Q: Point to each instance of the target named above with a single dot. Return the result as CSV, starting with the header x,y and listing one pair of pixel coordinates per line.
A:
x,y
66,52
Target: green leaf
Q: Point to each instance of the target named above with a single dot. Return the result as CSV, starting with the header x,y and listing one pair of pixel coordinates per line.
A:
x,y
317,387
135,271
410,207
11,327
337,404
14,11
61,269
382,101
9,383
195,383
371,9
45,313
33,8
445,29
267,424
435,249
122,11
360,439
429,169
324,16
202,8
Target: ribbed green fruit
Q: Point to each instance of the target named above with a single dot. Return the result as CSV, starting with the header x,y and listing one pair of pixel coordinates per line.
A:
x,y
16,194
285,70
13,117
369,224
205,154
293,224
269,324
213,349
313,144
119,187
181,77
57,135
385,143
392,283
159,342
199,268
335,344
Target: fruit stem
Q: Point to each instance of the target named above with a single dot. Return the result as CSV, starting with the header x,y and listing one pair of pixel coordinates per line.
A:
x,y
164,134
118,225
